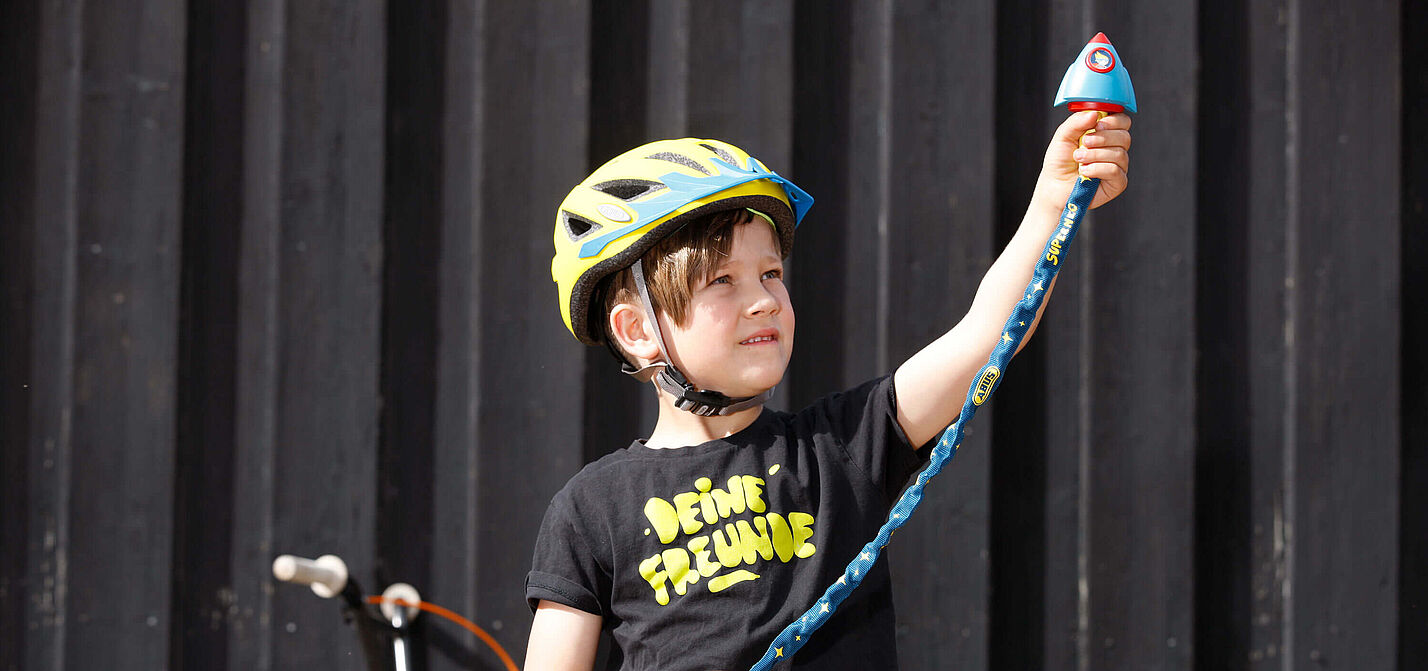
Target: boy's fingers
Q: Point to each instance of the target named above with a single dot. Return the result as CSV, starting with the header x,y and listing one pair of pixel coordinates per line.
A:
x,y
1108,138
1106,172
1114,155
1117,121
1075,126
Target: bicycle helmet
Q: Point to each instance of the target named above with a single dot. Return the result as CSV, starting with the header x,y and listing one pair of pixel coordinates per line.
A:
x,y
638,198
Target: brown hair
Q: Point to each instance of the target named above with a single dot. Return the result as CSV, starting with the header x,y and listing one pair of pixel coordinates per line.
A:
x,y
676,264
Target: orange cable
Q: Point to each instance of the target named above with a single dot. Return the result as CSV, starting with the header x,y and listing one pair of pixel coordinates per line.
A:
x,y
454,617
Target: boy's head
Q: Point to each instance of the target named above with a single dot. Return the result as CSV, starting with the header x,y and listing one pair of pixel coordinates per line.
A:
x,y
682,205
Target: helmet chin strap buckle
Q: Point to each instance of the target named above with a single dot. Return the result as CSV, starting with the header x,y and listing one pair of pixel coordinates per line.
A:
x,y
701,402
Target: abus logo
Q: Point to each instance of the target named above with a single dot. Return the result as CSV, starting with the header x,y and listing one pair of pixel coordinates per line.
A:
x,y
985,384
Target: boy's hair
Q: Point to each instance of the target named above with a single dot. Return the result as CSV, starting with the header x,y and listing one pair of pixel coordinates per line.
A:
x,y
674,266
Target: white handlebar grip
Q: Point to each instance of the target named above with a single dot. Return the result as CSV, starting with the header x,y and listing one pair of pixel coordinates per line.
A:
x,y
327,575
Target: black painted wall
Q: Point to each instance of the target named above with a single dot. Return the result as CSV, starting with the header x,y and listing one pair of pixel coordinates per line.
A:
x,y
274,277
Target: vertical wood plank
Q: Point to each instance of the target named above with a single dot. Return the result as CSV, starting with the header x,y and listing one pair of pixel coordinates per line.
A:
x,y
863,285
251,632
1413,489
1225,448
1019,458
19,50
124,316
821,144
668,96
329,267
534,128
129,133
51,410
1264,305
454,515
204,433
412,239
1343,428
1141,379
940,243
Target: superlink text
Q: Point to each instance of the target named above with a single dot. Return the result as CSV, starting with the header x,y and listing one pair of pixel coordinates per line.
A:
x,y
1054,254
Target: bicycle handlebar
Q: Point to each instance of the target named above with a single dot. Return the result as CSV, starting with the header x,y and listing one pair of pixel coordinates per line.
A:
x,y
327,575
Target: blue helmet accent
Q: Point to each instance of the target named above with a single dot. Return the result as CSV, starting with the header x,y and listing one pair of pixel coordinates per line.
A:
x,y
682,189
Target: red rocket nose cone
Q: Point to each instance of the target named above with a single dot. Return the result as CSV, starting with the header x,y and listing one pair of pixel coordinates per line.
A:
x,y
1100,37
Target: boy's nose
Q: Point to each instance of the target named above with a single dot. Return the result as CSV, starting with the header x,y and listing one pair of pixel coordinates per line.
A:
x,y
764,302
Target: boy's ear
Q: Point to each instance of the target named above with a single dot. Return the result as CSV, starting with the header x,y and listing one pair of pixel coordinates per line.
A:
x,y
631,329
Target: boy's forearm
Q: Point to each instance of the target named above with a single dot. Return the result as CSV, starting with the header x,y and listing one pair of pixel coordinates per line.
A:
x,y
1006,281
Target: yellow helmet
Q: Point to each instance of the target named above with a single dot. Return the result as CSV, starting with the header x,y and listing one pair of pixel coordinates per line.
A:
x,y
643,195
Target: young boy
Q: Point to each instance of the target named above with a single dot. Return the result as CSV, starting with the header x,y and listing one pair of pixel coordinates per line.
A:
x,y
697,545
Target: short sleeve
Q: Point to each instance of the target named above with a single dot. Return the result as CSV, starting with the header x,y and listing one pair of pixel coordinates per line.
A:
x,y
864,421
563,567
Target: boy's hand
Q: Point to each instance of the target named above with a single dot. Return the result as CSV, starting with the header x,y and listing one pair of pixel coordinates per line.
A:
x,y
1105,156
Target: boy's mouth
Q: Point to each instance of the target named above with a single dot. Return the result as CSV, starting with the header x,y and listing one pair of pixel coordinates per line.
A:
x,y
761,337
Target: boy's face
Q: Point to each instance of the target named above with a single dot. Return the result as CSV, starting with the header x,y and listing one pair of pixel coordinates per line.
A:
x,y
739,334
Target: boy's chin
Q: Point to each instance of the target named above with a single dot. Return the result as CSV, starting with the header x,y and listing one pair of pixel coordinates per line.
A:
x,y
755,385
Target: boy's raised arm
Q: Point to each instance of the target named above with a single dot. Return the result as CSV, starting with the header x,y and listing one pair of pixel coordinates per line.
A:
x,y
932,385
562,639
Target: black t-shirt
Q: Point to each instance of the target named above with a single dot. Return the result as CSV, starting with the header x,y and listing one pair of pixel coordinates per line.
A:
x,y
697,557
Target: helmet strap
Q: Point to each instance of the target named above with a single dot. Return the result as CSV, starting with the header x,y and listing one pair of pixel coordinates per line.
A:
x,y
687,397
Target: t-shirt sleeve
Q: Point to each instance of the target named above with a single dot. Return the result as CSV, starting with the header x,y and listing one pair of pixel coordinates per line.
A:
x,y
564,568
864,421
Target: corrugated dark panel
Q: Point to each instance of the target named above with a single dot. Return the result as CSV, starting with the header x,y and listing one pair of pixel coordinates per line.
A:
x,y
328,263
1140,356
860,279
1264,296
1018,520
125,335
1223,510
1413,488
50,444
255,440
411,293
939,207
1343,319
454,514
17,298
207,359
17,256
533,150
821,113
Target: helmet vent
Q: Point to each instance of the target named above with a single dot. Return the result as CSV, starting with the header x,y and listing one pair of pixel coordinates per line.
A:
x,y
577,226
728,158
628,189
680,159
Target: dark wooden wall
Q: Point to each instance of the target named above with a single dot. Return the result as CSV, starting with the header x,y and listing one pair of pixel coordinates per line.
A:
x,y
274,277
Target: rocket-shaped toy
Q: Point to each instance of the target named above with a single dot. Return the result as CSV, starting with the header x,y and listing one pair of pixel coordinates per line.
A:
x,y
1097,80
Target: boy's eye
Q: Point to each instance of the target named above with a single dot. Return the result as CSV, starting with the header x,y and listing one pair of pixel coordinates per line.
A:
x,y
722,279
773,275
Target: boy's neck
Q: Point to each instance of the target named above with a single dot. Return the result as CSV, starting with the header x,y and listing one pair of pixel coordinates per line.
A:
x,y
677,428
